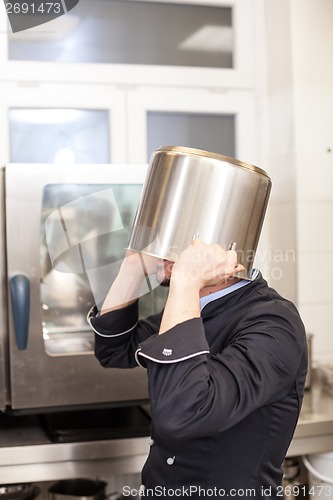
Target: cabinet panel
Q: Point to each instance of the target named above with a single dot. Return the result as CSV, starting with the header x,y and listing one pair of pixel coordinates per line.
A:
x,y
56,135
208,131
133,32
137,42
62,123
220,122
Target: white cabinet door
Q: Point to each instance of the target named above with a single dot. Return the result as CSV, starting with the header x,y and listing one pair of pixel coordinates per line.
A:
x,y
139,42
221,122
63,123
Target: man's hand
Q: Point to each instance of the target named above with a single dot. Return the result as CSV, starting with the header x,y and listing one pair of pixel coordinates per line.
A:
x,y
199,266
203,265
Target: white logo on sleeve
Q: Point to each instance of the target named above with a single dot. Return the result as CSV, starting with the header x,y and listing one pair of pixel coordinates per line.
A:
x,y
167,352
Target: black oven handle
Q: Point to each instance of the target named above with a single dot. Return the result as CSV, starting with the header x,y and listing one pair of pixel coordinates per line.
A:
x,y
20,297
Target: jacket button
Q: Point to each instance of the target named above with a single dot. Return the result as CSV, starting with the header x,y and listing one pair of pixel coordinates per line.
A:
x,y
170,460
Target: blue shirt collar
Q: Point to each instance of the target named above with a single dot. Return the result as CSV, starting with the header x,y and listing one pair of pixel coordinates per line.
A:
x,y
225,291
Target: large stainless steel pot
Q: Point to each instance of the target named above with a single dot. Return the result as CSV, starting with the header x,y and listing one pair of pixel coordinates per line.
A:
x,y
188,191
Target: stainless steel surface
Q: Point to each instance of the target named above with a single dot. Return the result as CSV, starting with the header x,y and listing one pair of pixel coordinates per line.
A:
x,y
31,456
314,431
49,462
68,377
17,491
189,191
3,301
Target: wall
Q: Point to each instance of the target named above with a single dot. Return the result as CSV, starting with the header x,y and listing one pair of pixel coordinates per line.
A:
x,y
300,109
313,76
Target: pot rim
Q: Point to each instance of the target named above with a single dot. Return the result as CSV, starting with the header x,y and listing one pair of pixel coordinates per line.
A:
x,y
182,150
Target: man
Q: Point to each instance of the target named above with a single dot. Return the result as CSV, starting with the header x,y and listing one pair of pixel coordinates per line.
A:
x,y
226,363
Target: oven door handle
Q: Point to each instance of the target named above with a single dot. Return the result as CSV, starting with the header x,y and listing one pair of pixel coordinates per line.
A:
x,y
20,297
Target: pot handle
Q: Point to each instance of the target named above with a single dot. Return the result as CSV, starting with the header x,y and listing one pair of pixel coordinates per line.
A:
x,y
233,246
20,297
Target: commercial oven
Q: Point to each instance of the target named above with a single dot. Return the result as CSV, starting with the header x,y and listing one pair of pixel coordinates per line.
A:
x,y
66,230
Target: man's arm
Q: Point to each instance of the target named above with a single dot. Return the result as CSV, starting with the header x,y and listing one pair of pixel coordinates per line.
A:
x,y
118,332
199,266
127,287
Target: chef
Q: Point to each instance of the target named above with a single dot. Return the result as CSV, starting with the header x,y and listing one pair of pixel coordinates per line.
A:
x,y
226,362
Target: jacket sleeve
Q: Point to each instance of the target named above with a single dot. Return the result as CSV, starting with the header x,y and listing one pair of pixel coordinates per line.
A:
x,y
119,333
193,393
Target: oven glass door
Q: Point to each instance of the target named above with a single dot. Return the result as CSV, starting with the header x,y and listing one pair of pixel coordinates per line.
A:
x,y
67,231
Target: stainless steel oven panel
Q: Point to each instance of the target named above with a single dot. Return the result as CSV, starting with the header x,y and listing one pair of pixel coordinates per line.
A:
x,y
3,301
37,379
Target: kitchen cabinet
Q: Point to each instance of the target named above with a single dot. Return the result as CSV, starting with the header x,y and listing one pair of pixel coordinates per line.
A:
x,y
221,121
64,123
135,42
160,69
41,120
